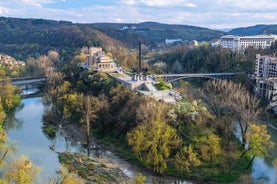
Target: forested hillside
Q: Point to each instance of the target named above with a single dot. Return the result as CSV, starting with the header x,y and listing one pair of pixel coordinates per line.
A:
x,y
22,38
157,32
205,59
254,30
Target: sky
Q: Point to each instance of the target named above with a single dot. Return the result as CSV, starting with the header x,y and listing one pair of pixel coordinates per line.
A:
x,y
214,14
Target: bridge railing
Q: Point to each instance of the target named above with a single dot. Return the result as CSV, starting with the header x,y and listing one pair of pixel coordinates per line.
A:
x,y
174,77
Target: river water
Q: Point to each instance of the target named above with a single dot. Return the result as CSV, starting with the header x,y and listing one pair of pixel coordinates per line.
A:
x,y
26,131
31,141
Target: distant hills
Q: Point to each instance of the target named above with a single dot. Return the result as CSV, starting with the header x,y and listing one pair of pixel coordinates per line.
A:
x,y
254,30
157,32
22,38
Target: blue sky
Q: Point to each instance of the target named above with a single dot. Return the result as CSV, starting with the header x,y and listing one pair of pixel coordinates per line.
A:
x,y
216,14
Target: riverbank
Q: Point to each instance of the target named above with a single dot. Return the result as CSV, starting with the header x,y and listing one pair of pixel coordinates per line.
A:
x,y
75,133
93,170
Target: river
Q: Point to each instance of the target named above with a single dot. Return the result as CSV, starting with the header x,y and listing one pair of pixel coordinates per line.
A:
x,y
263,170
31,141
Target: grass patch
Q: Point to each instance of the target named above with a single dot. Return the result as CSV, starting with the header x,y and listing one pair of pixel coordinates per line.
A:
x,y
162,85
50,131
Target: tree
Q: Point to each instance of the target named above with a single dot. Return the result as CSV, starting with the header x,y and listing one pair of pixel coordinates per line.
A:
x,y
81,58
9,95
186,158
176,67
3,138
65,177
209,147
21,170
258,142
139,179
154,140
2,113
89,114
231,101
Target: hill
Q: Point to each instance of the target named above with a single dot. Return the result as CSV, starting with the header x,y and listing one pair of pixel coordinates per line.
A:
x,y
157,33
254,30
22,38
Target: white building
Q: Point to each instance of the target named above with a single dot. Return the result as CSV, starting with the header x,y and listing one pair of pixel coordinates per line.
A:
x,y
266,78
242,42
172,41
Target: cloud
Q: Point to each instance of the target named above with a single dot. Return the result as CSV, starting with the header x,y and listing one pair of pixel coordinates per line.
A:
x,y
159,3
3,11
191,5
38,3
211,14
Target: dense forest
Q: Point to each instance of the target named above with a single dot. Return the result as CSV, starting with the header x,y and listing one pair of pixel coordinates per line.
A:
x,y
157,32
205,59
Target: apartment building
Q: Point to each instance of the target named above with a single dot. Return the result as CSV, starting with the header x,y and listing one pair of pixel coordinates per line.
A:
x,y
242,42
266,78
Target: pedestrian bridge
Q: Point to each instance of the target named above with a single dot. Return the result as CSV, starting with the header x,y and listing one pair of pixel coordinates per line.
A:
x,y
217,76
26,80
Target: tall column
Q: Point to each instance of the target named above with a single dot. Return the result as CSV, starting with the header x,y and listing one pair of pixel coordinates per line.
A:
x,y
139,69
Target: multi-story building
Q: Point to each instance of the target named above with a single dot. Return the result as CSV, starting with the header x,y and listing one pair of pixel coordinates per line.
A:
x,y
266,78
242,42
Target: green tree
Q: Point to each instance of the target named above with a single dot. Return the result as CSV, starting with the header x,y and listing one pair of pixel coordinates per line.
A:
x,y
139,179
65,177
9,95
21,170
258,142
186,158
2,113
153,141
209,147
70,102
3,138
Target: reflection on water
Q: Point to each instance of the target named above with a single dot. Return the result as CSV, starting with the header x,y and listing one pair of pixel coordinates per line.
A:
x,y
263,171
32,142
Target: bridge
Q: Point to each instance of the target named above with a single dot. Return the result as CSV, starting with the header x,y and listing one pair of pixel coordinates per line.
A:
x,y
217,76
20,81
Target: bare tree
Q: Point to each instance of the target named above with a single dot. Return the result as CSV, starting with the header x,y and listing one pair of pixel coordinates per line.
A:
x,y
230,99
89,114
